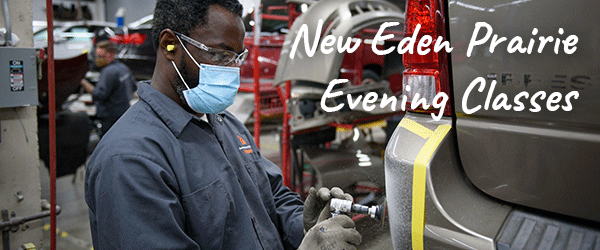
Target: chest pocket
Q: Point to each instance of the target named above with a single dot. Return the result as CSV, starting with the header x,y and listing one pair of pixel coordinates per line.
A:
x,y
208,211
251,160
259,176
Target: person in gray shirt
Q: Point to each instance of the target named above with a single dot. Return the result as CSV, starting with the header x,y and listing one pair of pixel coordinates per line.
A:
x,y
177,171
114,89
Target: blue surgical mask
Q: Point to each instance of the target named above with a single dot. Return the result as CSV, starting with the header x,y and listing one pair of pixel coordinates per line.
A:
x,y
216,90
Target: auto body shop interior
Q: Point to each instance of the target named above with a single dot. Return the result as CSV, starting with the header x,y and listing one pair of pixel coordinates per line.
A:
x,y
348,124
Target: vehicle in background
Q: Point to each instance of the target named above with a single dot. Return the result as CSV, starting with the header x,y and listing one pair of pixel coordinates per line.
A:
x,y
352,21
341,148
40,34
144,22
513,162
39,25
71,38
136,49
73,129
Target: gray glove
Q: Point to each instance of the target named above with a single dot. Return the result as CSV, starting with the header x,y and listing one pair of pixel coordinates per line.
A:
x,y
316,206
336,233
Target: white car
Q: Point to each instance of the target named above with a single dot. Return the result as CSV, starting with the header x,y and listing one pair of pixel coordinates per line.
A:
x,y
70,38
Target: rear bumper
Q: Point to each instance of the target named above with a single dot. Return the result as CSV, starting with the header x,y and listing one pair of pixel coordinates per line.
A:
x,y
431,202
433,205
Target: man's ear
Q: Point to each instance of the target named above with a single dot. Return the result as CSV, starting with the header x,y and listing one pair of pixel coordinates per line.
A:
x,y
167,44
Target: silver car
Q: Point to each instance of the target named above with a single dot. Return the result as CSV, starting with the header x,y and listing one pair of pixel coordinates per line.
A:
x,y
71,38
513,163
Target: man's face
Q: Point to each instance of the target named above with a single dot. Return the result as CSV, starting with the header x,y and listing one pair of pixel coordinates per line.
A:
x,y
223,30
103,58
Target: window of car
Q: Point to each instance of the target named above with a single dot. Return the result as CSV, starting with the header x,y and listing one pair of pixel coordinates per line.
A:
x,y
42,35
78,34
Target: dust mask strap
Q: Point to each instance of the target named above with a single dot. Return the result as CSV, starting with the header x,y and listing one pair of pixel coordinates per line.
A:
x,y
180,76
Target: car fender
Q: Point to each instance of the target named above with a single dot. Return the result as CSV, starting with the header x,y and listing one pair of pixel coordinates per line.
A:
x,y
345,22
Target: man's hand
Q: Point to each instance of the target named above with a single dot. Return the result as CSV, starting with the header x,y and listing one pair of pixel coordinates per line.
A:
x,y
316,206
332,234
87,86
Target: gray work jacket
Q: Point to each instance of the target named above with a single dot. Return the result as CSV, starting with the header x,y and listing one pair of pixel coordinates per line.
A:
x,y
114,90
163,179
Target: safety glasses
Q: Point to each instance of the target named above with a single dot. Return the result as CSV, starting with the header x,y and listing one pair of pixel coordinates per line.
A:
x,y
218,57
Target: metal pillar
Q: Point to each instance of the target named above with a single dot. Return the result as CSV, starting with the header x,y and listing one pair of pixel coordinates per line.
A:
x,y
256,51
285,138
52,123
285,133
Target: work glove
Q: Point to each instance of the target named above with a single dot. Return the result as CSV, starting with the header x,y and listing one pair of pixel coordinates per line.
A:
x,y
316,206
336,233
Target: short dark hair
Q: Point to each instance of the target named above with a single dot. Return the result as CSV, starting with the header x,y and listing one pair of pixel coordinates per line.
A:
x,y
108,46
185,15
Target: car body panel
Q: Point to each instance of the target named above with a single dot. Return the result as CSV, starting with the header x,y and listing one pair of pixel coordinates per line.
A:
x,y
346,165
546,160
451,203
141,59
346,23
144,22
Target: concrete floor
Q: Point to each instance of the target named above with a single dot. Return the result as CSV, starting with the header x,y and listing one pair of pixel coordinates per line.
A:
x,y
73,224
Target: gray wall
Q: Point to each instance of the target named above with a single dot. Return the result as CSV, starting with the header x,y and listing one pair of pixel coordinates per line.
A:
x,y
134,9
96,7
102,10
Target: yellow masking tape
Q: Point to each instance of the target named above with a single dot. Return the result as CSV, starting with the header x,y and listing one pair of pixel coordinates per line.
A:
x,y
420,177
29,246
416,128
375,124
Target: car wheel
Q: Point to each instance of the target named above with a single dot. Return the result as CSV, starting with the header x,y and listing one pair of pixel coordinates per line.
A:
x,y
369,76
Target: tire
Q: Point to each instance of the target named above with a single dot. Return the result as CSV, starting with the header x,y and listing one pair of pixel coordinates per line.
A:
x,y
370,76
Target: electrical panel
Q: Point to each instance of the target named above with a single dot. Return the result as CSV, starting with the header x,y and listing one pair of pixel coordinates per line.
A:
x,y
18,77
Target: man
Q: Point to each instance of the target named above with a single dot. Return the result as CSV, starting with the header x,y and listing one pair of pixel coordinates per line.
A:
x,y
114,89
179,172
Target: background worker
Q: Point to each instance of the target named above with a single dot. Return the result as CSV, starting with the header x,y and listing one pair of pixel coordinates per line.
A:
x,y
177,171
114,89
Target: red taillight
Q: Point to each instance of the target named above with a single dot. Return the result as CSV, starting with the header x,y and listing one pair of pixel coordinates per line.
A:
x,y
427,75
135,39
117,39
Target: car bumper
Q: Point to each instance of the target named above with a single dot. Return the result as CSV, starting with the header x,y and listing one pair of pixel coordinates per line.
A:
x,y
431,202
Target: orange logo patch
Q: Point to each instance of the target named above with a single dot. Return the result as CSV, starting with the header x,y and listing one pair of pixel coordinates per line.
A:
x,y
245,147
242,140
